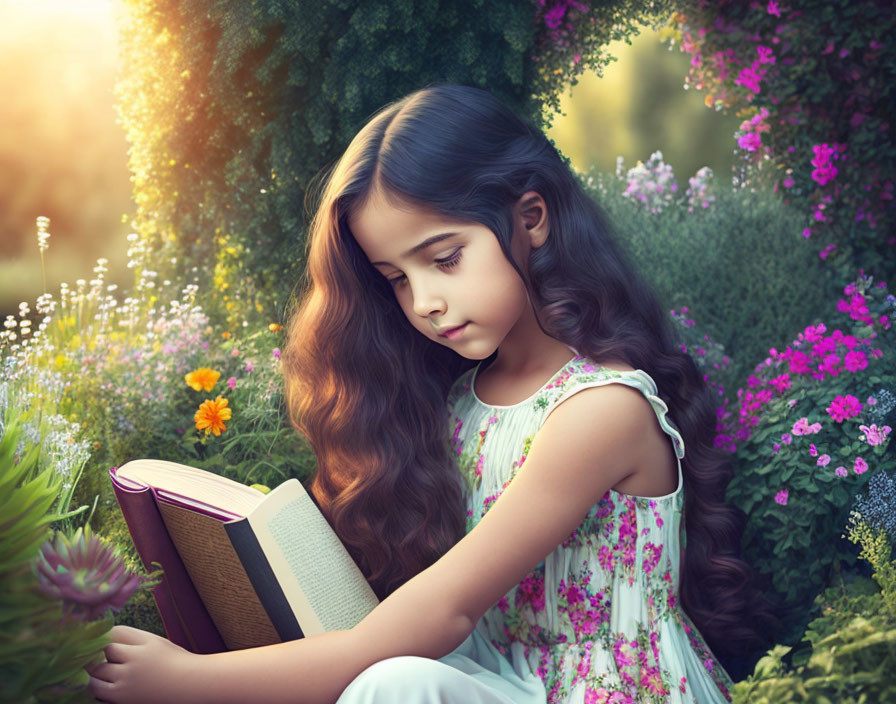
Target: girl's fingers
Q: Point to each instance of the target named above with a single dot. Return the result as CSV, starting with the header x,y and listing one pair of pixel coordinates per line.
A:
x,y
101,690
117,652
104,671
127,634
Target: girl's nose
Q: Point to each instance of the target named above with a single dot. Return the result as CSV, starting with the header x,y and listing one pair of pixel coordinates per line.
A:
x,y
426,303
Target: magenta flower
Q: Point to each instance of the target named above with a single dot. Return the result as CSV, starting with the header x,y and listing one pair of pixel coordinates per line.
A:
x,y
861,466
823,254
277,352
749,78
802,427
749,142
813,450
554,17
841,471
773,8
874,435
830,365
766,56
249,367
781,497
823,461
799,363
843,407
786,438
824,168
231,382
855,361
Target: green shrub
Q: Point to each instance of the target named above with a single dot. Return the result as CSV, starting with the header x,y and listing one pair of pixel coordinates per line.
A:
x,y
735,264
233,109
848,653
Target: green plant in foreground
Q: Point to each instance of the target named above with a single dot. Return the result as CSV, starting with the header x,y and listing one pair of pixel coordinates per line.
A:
x,y
851,658
45,642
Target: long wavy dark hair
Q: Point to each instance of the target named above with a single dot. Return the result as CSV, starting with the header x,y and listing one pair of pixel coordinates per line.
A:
x,y
369,391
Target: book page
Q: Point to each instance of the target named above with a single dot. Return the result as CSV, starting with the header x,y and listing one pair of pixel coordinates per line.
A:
x,y
322,583
192,486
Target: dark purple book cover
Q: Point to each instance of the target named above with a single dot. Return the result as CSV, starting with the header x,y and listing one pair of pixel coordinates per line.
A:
x,y
184,616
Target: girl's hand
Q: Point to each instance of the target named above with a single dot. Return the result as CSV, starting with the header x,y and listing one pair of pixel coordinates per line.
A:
x,y
142,667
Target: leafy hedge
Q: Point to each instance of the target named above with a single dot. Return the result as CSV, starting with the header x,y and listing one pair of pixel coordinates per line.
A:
x,y
233,108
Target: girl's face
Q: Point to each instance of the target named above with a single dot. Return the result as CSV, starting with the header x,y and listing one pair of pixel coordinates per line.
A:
x,y
446,273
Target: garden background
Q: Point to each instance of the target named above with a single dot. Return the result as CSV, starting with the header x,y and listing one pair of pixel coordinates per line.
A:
x,y
771,242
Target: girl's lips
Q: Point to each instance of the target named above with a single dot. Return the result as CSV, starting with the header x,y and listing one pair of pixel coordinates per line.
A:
x,y
454,331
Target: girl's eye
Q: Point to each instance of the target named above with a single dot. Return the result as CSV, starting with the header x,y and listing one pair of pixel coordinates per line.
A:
x,y
446,263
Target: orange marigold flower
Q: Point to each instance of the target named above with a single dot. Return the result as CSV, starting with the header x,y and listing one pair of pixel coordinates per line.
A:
x,y
225,335
211,416
275,327
203,379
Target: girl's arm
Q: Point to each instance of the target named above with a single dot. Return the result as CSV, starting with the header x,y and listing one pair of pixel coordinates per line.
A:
x,y
588,443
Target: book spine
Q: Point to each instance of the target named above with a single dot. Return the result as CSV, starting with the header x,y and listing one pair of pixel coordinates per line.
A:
x,y
183,614
265,583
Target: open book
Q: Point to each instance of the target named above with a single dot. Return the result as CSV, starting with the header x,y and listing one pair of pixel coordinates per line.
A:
x,y
241,568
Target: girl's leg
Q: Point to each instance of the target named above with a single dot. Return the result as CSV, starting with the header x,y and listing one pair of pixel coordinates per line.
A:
x,y
409,679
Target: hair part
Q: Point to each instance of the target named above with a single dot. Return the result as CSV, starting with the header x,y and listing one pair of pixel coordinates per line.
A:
x,y
369,391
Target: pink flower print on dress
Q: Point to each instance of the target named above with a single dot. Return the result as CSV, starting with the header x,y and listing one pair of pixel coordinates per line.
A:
x,y
861,466
456,441
652,555
652,681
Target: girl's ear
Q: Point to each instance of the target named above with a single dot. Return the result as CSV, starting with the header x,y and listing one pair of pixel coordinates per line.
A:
x,y
531,213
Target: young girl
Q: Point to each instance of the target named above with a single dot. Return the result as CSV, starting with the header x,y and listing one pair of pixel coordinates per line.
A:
x,y
509,442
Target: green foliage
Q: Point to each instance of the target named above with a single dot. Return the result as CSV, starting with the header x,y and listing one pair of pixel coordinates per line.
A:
x,y
259,446
41,656
795,483
825,79
232,109
735,265
848,654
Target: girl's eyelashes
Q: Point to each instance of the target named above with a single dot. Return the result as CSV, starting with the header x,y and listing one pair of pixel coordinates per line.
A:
x,y
450,261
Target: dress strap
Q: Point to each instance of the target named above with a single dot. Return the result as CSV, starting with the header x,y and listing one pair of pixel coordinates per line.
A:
x,y
593,375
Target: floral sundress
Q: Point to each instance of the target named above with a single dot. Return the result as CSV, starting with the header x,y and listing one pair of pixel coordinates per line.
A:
x,y
599,620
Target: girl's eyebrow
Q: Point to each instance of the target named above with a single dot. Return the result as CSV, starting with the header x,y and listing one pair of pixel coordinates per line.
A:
x,y
429,241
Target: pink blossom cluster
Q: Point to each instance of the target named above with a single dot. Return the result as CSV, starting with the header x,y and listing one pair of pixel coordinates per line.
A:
x,y
815,354
824,156
749,134
874,435
857,307
652,184
844,407
802,427
698,189
751,76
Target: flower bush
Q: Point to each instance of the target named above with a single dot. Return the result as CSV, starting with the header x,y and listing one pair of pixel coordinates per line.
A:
x,y
709,355
810,81
152,363
807,434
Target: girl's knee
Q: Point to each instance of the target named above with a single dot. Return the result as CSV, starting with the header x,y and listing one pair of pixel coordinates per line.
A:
x,y
405,678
